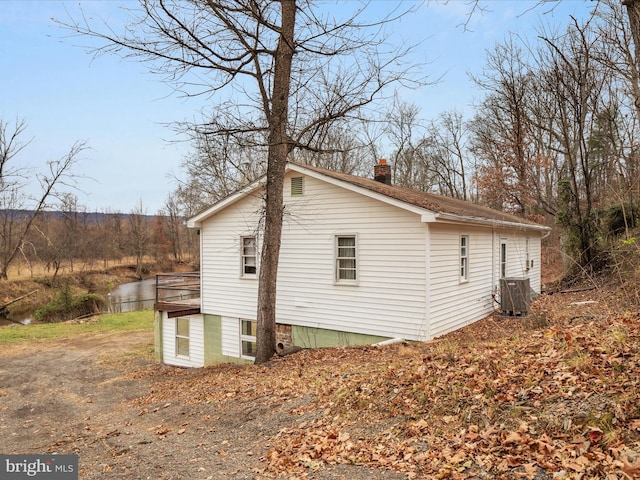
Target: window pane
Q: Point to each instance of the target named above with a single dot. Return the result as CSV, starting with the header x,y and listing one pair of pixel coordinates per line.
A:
x,y
346,241
346,252
248,348
249,246
182,346
347,274
250,265
182,327
249,328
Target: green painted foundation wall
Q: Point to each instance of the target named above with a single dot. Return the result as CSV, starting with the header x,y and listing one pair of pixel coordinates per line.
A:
x,y
308,337
305,337
157,336
213,342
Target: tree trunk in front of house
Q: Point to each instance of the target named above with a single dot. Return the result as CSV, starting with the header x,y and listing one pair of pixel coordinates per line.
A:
x,y
279,148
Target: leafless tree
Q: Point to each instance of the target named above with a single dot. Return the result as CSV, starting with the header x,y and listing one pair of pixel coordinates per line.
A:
x,y
448,154
620,30
502,129
56,175
139,236
405,131
578,91
288,70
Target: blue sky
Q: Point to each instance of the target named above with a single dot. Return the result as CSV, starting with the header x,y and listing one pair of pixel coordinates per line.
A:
x,y
122,112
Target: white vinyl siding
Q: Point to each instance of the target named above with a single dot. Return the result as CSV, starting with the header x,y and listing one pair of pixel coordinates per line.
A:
x,y
389,300
230,336
224,292
523,256
170,336
454,304
406,269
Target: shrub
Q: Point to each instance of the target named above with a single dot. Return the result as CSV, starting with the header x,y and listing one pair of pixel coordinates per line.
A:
x,y
66,307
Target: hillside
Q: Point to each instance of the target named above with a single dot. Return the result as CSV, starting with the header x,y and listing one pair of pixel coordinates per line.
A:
x,y
551,396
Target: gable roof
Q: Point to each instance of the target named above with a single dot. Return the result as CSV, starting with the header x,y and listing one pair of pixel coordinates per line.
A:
x,y
434,207
445,208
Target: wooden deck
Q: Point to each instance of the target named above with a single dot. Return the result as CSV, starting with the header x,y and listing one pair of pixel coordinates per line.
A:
x,y
178,294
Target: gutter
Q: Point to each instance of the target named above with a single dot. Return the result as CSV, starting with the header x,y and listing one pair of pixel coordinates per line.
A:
x,y
449,218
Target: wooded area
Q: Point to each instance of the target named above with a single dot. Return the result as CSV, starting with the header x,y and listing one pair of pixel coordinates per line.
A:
x,y
554,138
76,240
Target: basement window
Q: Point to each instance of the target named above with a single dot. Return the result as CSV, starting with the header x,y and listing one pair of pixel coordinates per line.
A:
x,y
248,339
182,337
297,186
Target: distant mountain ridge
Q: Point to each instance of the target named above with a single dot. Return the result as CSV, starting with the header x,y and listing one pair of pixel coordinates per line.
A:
x,y
89,216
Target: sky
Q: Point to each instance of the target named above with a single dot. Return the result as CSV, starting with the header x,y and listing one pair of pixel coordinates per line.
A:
x,y
124,113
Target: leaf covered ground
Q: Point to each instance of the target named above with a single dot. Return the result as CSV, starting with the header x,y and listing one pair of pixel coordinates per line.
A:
x,y
553,395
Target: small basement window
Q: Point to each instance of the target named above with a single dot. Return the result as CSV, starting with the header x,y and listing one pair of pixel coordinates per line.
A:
x,y
182,337
248,338
297,186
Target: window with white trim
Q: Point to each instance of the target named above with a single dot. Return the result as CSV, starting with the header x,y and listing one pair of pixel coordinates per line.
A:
x,y
464,258
182,337
503,257
527,255
248,338
346,259
248,257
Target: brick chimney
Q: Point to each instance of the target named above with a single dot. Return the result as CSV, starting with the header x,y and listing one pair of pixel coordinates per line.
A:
x,y
382,172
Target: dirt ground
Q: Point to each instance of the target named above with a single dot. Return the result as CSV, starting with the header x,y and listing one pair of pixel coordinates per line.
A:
x,y
84,396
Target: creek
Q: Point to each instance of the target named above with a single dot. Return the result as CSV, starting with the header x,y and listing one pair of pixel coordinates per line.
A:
x,y
127,297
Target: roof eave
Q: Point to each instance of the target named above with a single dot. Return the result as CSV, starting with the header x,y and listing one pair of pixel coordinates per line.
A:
x,y
196,221
450,218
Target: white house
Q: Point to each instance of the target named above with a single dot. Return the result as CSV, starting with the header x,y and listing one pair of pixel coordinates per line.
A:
x,y
362,261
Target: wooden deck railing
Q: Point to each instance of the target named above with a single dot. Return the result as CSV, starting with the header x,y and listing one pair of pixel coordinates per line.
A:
x,y
175,291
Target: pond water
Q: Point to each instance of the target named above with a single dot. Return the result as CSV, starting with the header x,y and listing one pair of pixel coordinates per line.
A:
x,y
127,297
133,296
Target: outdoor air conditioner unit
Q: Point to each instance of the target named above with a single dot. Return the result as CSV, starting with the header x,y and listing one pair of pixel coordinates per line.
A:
x,y
515,296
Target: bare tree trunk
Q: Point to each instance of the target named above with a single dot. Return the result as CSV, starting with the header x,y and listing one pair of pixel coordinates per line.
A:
x,y
279,148
633,13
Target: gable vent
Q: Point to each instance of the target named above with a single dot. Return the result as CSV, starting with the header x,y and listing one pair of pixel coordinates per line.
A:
x,y
297,186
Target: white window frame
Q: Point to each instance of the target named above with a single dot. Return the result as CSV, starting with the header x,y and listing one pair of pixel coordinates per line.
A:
x,y
527,254
338,259
464,258
247,338
244,257
503,258
186,337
